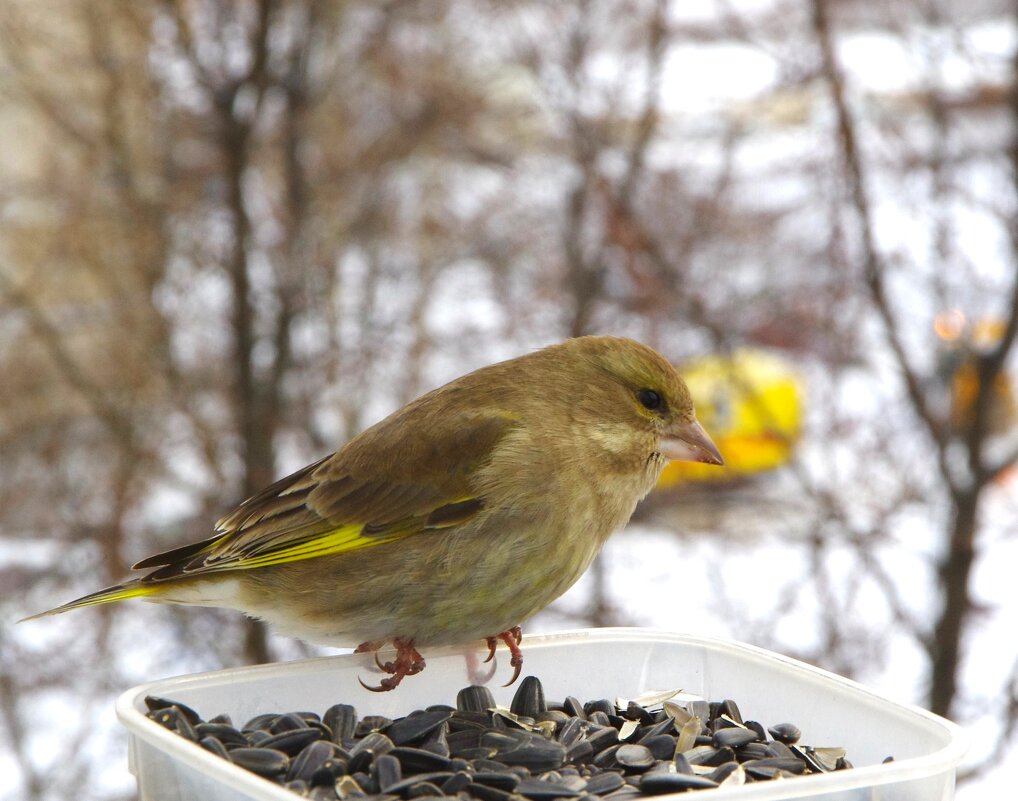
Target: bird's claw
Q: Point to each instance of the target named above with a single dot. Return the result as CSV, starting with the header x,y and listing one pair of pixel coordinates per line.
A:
x,y
512,639
386,684
408,662
517,665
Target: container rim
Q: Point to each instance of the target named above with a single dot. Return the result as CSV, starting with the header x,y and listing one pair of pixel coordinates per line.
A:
x,y
130,710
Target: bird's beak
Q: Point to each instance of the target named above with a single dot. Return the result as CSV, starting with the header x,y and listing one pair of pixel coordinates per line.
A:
x,y
688,442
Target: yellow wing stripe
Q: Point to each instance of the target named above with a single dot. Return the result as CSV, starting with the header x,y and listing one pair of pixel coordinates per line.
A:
x,y
107,596
341,540
351,537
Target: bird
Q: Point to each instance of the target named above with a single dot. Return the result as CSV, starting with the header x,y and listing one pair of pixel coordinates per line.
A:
x,y
454,519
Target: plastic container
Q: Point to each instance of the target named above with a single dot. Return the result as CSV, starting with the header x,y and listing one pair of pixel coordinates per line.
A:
x,y
601,663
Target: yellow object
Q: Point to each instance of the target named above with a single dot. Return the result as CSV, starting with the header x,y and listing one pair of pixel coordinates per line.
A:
x,y
1003,410
963,342
751,402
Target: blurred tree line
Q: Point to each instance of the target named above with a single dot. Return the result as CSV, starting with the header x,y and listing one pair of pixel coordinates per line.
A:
x,y
232,234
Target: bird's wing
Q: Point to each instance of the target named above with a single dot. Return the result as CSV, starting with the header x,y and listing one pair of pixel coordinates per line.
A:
x,y
364,495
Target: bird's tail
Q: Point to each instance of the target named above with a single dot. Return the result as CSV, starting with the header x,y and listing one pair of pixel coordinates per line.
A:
x,y
118,592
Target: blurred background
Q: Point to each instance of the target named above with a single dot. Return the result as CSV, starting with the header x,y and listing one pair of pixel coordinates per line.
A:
x,y
234,233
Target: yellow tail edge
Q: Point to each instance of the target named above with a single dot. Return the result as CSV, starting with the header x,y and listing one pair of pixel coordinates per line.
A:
x,y
118,592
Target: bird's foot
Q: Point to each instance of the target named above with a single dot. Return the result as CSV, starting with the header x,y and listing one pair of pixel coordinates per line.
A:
x,y
408,662
512,639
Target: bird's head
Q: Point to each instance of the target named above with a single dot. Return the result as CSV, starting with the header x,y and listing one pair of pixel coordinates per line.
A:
x,y
637,395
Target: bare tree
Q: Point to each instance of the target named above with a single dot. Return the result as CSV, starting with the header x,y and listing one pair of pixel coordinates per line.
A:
x,y
234,234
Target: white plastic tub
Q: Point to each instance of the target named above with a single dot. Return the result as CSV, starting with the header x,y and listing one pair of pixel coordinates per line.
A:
x,y
602,663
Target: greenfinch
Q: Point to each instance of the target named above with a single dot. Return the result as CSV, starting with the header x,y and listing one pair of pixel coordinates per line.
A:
x,y
455,518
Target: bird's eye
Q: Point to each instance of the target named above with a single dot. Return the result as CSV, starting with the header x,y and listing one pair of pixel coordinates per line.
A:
x,y
649,398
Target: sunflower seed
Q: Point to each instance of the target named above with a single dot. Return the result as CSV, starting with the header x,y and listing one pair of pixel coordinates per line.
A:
x,y
682,764
489,766
256,737
754,751
292,741
502,741
709,755
312,757
730,709
456,783
481,752
485,793
529,698
287,722
475,699
155,703
732,738
225,733
330,770
374,743
572,707
342,721
756,771
501,781
260,722
436,742
761,732
787,764
787,733
174,719
602,737
634,757
416,726
540,790
571,731
604,783
579,752
606,757
386,771
371,723
463,721
424,790
636,712
661,747
723,772
776,749
418,760
660,783
263,761
215,746
536,756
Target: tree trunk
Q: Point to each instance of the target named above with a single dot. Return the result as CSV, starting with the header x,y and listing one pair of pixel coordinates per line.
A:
x,y
955,571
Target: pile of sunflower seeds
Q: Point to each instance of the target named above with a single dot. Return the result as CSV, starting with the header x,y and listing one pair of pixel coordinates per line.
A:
x,y
658,743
